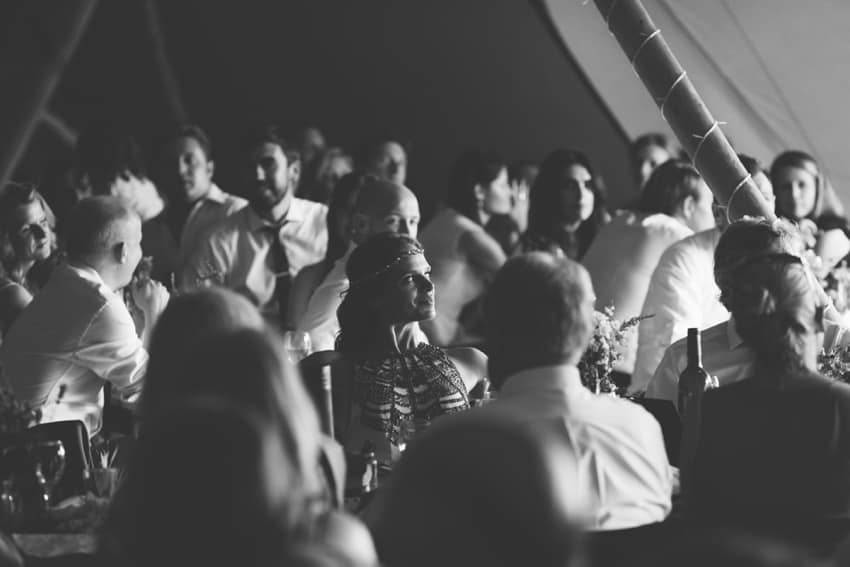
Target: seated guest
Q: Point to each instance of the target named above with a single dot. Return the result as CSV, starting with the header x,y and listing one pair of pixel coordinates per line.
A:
x,y
784,425
382,157
26,239
320,183
802,191
213,483
380,206
396,376
539,322
464,257
77,334
196,204
675,203
111,163
259,249
566,208
724,354
476,490
646,153
682,292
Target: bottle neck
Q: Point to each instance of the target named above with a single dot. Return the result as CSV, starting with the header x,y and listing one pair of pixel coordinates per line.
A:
x,y
694,349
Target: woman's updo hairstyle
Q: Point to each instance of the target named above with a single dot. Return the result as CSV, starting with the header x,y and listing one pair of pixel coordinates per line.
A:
x,y
774,304
359,320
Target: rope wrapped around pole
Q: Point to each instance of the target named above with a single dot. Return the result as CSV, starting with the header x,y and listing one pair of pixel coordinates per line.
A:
x,y
683,109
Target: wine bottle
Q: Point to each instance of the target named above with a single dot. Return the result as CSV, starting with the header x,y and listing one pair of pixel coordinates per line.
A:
x,y
693,380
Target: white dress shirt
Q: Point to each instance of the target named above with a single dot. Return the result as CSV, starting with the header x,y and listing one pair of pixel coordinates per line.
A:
x,y
724,355
203,219
237,252
621,260
623,466
72,338
682,294
319,319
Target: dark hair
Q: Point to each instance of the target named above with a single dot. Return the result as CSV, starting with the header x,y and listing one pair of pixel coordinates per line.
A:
x,y
474,167
12,196
440,498
766,298
201,486
746,239
834,222
519,171
366,271
799,160
652,139
342,198
669,185
544,212
537,313
369,147
93,227
752,165
270,134
196,133
103,154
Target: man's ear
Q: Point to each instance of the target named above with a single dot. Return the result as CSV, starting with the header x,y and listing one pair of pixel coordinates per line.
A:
x,y
210,168
121,254
294,174
688,207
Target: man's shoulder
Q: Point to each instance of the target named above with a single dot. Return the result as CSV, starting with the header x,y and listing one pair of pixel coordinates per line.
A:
x,y
716,332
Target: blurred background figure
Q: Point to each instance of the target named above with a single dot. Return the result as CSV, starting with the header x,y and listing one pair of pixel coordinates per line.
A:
x,y
522,175
566,206
464,258
382,157
27,244
476,490
647,152
318,184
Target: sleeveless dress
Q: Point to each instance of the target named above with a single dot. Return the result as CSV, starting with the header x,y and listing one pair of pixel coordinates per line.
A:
x,y
422,383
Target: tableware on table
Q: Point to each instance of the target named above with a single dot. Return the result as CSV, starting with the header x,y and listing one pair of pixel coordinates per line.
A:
x,y
298,345
50,456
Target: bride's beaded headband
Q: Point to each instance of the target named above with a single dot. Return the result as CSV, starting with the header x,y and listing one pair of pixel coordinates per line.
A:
x,y
406,254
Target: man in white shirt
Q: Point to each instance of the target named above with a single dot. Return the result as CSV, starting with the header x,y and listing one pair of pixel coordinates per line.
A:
x,y
77,333
682,292
675,203
539,314
381,206
196,204
259,249
724,354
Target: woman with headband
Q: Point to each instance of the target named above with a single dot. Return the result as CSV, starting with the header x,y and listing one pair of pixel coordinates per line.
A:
x,y
396,379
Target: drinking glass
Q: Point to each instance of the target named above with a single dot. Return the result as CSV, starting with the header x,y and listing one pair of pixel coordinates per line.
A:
x,y
298,345
106,481
50,456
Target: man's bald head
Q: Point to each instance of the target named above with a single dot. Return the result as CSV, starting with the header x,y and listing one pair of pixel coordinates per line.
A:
x,y
101,230
384,206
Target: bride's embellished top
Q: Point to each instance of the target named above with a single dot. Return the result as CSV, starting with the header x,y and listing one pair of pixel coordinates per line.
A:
x,y
421,383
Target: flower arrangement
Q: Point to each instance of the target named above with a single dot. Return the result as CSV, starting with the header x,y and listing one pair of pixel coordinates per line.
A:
x,y
835,363
605,350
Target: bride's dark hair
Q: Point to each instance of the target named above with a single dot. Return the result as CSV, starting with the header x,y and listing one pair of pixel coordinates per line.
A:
x,y
359,320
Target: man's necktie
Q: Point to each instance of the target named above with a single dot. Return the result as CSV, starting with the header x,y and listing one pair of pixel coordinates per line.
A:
x,y
278,263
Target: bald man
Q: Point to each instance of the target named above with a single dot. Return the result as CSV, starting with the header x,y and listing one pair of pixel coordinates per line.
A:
x,y
381,206
77,334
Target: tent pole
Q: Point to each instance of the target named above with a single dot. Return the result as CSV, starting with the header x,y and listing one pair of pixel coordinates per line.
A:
x,y
32,72
682,107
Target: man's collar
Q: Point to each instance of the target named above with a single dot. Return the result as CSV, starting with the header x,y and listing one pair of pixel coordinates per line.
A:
x,y
296,214
563,377
215,194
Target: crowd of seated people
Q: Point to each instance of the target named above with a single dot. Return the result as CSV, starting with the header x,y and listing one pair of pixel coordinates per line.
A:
x,y
165,297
